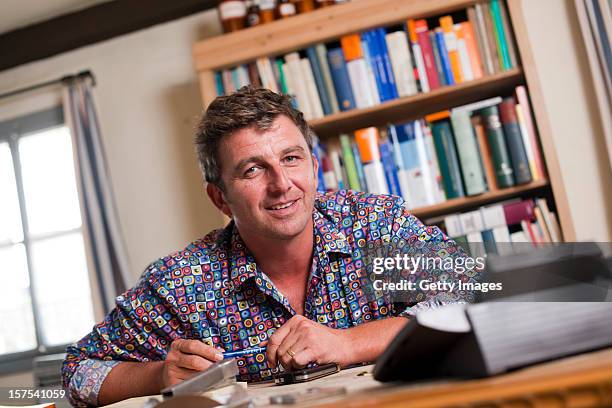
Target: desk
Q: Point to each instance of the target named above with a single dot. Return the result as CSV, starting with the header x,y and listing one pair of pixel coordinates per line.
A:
x,y
579,381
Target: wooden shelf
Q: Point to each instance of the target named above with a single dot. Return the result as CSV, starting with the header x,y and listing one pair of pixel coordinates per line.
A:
x,y
419,105
459,204
321,25
331,23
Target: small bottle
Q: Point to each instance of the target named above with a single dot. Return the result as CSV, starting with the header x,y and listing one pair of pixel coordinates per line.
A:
x,y
232,14
285,8
266,11
325,3
304,6
252,14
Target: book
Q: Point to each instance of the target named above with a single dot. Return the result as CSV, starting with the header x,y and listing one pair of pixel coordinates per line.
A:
x,y
549,220
359,166
311,89
341,82
437,58
523,102
254,75
485,152
369,65
418,56
446,152
380,34
494,221
290,88
490,35
388,162
357,71
367,141
335,155
349,163
464,56
402,169
508,33
516,211
512,134
422,33
434,165
280,74
329,175
374,60
467,150
317,151
472,226
419,183
500,35
219,83
477,23
321,52
228,83
450,39
266,74
472,48
444,59
317,71
499,153
526,142
401,63
296,73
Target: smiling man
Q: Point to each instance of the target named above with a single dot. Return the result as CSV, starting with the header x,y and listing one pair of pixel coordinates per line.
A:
x,y
287,272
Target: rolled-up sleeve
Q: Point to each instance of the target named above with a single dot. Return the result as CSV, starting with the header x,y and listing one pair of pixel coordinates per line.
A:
x,y
139,328
441,260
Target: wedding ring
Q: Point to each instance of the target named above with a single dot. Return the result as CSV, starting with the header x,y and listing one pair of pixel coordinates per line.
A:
x,y
291,353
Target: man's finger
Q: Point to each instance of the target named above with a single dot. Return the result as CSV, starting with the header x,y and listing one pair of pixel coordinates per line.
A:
x,y
277,338
303,358
198,348
193,362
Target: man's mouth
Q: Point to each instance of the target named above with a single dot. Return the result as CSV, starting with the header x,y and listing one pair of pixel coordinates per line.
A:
x,y
282,206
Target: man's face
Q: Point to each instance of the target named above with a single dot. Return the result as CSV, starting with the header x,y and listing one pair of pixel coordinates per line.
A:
x,y
269,181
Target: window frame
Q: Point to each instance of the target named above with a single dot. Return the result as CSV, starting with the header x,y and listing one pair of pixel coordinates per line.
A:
x,y
12,131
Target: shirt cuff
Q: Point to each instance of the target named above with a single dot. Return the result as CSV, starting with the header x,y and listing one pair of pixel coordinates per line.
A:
x,y
87,380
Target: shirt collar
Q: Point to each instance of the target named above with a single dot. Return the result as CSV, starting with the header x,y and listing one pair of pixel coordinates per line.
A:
x,y
327,238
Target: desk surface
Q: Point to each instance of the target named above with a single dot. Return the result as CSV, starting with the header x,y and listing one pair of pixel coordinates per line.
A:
x,y
579,381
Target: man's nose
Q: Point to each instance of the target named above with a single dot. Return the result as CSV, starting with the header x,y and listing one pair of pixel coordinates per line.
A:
x,y
278,179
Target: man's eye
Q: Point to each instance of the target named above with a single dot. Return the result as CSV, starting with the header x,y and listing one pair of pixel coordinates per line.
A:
x,y
250,171
291,159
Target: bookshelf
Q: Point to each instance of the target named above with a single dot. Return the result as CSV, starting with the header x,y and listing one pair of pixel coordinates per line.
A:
x,y
328,24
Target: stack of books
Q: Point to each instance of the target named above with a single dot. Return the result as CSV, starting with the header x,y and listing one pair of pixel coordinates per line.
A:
x,y
496,227
465,151
372,67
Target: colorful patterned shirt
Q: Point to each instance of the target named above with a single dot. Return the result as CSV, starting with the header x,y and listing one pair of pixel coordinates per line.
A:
x,y
214,291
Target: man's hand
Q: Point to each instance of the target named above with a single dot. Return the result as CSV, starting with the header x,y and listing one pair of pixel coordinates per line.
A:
x,y
301,341
186,358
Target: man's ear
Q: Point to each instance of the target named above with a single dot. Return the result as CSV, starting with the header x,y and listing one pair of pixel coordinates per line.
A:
x,y
218,198
315,167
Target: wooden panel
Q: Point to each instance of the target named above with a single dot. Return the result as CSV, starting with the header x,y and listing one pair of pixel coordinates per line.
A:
x,y
88,26
317,26
541,118
208,88
459,204
416,106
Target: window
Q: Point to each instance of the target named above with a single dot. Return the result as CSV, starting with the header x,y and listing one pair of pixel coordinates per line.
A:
x,y
45,298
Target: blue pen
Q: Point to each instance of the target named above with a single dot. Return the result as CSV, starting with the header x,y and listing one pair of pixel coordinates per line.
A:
x,y
244,352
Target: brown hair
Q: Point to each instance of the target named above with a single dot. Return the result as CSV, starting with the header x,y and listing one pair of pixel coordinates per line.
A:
x,y
246,107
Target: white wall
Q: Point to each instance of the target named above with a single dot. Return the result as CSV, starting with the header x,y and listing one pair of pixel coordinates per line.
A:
x,y
563,71
148,102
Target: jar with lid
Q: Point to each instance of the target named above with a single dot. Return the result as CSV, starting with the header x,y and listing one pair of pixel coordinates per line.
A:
x,y
285,8
304,6
232,14
266,11
252,13
325,3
